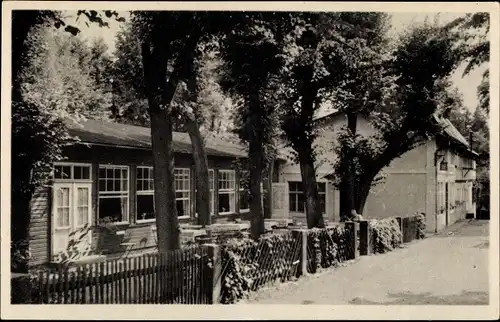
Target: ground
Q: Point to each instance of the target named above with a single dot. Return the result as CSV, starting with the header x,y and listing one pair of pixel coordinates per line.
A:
x,y
447,268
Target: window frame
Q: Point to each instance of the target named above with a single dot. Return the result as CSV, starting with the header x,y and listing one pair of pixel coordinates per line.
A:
x,y
144,193
300,191
227,191
72,167
188,191
114,194
240,190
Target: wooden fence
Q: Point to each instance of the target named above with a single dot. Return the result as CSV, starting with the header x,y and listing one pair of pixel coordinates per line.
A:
x,y
174,277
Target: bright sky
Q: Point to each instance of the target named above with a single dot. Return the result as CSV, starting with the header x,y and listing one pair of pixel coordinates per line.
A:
x,y
400,21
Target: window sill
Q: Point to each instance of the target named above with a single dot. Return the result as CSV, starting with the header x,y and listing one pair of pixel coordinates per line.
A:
x,y
146,221
227,213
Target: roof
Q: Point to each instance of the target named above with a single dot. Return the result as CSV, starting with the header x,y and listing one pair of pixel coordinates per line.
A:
x,y
130,136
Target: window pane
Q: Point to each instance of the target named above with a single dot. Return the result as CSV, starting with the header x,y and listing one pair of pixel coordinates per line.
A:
x,y
182,208
145,207
59,218
62,172
102,185
223,202
139,173
114,208
102,173
83,196
109,185
300,202
66,216
321,187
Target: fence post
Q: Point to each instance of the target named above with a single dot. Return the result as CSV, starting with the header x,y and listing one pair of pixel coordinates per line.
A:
x,y
400,224
302,236
213,274
364,237
351,227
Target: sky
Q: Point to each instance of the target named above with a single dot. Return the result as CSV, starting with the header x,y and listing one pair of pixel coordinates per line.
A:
x,y
400,21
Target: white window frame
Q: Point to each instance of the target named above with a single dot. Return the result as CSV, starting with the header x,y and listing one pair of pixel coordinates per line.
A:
x,y
188,190
72,166
211,172
227,191
144,193
116,194
240,190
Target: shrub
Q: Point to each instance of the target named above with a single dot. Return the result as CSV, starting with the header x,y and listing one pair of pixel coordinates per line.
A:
x,y
248,264
386,234
421,226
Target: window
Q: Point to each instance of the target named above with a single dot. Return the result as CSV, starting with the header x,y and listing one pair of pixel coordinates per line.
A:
x,y
296,197
227,191
183,192
297,200
113,193
145,194
68,171
244,194
211,186
322,197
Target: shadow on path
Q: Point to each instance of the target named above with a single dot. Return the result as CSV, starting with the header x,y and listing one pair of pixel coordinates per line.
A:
x,y
408,298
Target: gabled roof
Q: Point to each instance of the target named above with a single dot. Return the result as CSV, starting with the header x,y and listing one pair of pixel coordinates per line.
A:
x,y
130,136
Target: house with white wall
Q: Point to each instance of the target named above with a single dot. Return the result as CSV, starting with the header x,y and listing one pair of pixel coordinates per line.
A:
x,y
435,178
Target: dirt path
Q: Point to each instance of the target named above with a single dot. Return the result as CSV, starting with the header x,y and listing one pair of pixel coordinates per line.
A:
x,y
447,268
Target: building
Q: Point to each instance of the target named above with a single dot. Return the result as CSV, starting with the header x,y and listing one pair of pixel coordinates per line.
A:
x,y
107,181
435,178
102,194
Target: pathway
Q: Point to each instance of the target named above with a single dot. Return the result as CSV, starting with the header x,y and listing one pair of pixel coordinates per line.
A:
x,y
447,268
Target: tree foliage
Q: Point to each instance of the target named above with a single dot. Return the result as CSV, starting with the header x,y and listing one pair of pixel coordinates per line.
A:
x,y
420,65
253,62
48,88
472,39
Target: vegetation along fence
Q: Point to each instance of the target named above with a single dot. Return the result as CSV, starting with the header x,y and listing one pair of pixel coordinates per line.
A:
x,y
225,273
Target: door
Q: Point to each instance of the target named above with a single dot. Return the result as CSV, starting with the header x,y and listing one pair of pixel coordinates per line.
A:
x,y
71,216
280,200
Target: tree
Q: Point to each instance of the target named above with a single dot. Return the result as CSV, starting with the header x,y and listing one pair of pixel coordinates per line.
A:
x,y
252,60
169,42
361,85
421,65
37,134
318,51
471,34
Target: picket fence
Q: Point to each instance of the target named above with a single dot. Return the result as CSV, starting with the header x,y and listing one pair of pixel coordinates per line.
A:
x,y
210,273
174,277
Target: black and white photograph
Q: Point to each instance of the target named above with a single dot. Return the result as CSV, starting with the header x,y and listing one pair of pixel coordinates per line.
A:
x,y
176,153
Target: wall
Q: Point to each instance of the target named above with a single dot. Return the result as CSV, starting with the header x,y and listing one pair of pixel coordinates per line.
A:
x,y
140,233
40,226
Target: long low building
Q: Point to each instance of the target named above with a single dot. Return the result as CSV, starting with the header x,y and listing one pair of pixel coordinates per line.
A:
x,y
102,194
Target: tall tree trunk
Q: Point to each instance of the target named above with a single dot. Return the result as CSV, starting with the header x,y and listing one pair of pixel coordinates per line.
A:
x,y
310,188
201,170
268,187
160,94
256,156
164,189
348,193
